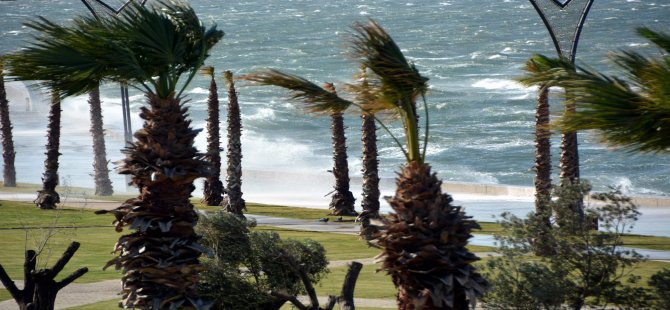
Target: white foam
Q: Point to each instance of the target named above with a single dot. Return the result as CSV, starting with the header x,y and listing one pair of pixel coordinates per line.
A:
x,y
499,84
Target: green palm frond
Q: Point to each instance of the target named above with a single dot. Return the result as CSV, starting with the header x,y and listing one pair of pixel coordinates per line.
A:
x,y
313,97
631,112
376,50
662,40
400,83
149,46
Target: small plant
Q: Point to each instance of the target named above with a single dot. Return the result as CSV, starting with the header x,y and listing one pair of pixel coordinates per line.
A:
x,y
584,268
256,270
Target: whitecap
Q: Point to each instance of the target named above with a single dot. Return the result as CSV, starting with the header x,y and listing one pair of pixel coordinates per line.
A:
x,y
262,114
199,90
498,84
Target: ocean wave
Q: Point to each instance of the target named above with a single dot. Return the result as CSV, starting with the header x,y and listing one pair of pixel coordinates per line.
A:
x,y
262,114
499,84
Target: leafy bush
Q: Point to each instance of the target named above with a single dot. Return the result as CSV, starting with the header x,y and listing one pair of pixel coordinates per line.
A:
x,y
245,265
585,267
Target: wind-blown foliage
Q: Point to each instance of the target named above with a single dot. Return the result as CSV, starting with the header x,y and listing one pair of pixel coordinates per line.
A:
x,y
631,111
150,48
424,240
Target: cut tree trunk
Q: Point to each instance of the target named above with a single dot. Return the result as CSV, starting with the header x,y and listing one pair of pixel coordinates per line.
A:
x,y
47,198
39,286
8,152
103,185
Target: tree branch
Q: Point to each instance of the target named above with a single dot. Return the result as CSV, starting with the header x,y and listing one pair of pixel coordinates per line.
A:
x,y
65,282
9,285
67,255
294,300
346,299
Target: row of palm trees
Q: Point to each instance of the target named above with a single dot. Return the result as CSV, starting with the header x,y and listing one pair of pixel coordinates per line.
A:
x,y
423,241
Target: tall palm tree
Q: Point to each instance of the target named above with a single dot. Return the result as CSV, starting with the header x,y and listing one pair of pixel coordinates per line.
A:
x,y
152,49
47,197
342,200
103,185
233,201
8,152
424,240
542,171
213,191
630,112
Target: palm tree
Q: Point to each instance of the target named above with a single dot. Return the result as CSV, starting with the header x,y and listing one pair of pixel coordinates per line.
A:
x,y
103,185
47,197
8,153
342,201
213,191
424,240
630,112
542,171
152,49
233,201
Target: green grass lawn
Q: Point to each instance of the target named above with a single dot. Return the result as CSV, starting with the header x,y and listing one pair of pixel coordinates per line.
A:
x,y
23,226
113,305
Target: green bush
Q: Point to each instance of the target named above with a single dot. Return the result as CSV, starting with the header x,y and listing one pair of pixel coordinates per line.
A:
x,y
584,267
244,265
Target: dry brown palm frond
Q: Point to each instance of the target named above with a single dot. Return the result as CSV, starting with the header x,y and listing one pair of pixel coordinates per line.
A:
x,y
315,99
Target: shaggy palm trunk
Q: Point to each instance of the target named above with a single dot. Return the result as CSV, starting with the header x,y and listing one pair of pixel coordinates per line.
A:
x,y
160,258
424,245
342,202
213,191
103,185
569,162
8,153
370,193
543,172
233,201
47,198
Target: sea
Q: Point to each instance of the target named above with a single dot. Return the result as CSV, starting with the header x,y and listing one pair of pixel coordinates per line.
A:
x,y
481,119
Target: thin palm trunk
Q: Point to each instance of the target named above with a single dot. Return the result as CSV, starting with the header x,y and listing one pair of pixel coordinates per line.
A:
x,y
542,170
569,161
370,192
342,202
8,152
103,185
233,201
47,198
160,258
213,189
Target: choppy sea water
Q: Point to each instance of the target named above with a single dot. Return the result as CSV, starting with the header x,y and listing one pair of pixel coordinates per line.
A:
x,y
481,120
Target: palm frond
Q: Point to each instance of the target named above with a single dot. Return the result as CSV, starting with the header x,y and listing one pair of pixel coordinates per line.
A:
x,y
313,97
632,113
376,50
207,71
142,43
661,40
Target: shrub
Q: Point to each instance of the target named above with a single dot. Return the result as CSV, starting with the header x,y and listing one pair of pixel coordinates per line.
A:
x,y
585,267
244,265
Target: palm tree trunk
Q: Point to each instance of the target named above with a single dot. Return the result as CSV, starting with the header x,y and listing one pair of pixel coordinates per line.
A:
x,y
159,258
342,202
47,198
370,202
569,162
424,244
8,152
543,171
233,201
103,185
213,191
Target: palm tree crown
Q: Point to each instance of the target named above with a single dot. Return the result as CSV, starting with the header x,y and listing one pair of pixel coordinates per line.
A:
x,y
631,112
148,47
